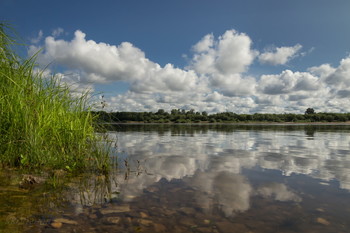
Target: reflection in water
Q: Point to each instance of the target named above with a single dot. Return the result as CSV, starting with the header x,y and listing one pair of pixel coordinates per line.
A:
x,y
203,179
279,192
212,164
230,191
327,157
310,131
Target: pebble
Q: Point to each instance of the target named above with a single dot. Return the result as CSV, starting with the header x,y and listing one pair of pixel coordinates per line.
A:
x,y
129,220
145,222
323,221
159,227
113,220
115,209
168,212
189,222
187,210
56,225
66,221
143,215
206,221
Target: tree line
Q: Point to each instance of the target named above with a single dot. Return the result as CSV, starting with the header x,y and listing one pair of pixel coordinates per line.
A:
x,y
191,116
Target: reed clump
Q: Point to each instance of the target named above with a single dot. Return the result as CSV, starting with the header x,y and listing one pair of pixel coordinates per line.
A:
x,y
41,124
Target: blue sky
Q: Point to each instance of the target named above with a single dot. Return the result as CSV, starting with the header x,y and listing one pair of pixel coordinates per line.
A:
x,y
243,56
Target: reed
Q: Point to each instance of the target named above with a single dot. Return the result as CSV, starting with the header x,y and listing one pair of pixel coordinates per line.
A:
x,y
41,124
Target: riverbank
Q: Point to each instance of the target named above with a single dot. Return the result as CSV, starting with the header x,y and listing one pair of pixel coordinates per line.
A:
x,y
42,125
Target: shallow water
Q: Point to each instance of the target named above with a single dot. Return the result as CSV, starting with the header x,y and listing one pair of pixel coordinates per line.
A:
x,y
199,178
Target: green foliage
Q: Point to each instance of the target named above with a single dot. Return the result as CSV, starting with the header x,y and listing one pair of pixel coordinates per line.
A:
x,y
310,111
41,124
182,116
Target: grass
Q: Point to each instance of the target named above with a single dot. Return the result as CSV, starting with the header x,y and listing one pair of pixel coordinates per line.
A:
x,y
41,124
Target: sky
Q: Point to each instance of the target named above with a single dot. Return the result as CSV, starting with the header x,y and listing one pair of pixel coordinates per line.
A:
x,y
242,56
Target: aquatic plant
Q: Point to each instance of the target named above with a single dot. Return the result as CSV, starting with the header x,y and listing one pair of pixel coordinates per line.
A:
x,y
41,124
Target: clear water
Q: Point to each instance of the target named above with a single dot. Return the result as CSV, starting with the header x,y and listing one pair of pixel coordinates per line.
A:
x,y
200,178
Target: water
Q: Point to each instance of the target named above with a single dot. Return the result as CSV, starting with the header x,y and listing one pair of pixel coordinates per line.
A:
x,y
201,178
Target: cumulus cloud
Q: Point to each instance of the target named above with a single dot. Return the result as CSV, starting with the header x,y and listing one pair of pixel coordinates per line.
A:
x,y
214,97
341,75
100,59
69,79
234,85
279,56
204,44
103,63
322,71
288,82
224,60
216,79
231,53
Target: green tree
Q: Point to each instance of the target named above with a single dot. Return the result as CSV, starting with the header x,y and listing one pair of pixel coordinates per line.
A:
x,y
160,112
310,111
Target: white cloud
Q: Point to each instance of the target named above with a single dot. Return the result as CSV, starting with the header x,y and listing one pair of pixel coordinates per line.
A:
x,y
288,82
102,63
57,32
231,53
224,60
204,44
214,97
322,71
341,75
279,56
234,85
38,38
216,79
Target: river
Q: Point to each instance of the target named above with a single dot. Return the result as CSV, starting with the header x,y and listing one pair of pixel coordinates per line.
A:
x,y
200,178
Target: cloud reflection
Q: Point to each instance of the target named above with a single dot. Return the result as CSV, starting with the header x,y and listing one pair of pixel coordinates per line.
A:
x,y
229,191
326,157
212,163
279,192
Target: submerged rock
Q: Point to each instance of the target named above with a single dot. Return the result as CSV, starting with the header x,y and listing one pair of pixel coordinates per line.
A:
x,y
65,221
159,227
145,222
115,209
206,221
56,225
113,220
187,210
143,215
323,221
30,180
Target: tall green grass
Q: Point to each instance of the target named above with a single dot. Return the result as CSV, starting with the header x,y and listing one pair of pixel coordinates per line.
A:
x,y
41,124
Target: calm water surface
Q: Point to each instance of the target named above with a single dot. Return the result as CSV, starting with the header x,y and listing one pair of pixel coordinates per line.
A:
x,y
201,179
